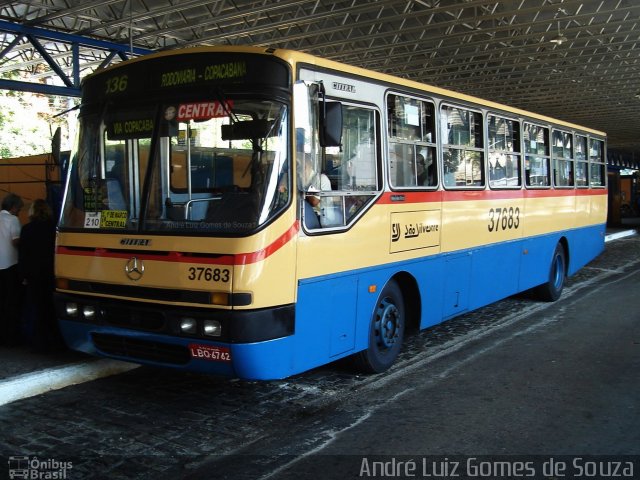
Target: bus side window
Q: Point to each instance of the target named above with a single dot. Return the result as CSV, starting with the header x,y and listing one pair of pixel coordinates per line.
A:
x,y
562,143
402,165
352,170
597,163
582,163
504,152
536,159
463,147
412,149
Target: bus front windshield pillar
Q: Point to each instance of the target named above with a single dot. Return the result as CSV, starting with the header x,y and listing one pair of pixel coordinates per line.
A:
x,y
308,151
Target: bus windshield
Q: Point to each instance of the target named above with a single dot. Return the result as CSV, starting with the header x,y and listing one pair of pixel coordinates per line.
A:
x,y
206,165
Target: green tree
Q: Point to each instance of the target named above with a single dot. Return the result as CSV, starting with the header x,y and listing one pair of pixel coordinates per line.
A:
x,y
26,121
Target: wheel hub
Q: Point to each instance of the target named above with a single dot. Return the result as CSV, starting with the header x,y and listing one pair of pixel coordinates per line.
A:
x,y
387,324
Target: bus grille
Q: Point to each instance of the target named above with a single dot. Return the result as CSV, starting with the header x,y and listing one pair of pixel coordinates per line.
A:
x,y
141,349
134,318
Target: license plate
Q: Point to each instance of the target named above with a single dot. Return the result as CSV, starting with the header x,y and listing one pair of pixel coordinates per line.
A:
x,y
207,352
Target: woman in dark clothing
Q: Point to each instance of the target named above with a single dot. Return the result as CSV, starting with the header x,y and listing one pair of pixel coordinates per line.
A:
x,y
35,264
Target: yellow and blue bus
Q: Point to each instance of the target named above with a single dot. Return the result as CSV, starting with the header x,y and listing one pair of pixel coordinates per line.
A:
x,y
255,212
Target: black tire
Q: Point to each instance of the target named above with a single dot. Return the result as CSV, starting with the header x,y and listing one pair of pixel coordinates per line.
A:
x,y
552,289
386,332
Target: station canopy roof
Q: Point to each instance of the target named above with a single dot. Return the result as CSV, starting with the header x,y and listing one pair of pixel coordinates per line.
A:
x,y
577,60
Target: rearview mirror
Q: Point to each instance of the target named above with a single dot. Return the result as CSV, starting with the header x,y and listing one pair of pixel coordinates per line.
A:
x,y
330,124
247,130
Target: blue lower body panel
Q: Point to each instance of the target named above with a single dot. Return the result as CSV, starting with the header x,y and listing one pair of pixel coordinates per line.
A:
x,y
256,361
333,313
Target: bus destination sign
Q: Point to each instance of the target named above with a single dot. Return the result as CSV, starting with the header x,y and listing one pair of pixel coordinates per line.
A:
x,y
203,73
168,73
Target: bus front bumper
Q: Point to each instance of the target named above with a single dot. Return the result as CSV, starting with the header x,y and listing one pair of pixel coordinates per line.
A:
x,y
247,344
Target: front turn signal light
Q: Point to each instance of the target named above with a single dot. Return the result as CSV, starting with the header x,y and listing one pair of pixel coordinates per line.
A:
x,y
220,298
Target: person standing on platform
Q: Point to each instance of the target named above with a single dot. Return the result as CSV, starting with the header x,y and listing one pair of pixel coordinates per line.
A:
x,y
35,262
9,280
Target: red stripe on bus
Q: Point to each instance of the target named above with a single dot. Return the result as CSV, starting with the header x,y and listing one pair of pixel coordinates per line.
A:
x,y
410,197
277,244
185,257
473,195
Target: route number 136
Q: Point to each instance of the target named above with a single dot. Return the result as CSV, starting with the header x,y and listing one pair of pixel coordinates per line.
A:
x,y
117,84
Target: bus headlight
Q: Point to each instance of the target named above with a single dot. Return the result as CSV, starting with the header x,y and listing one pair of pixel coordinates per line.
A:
x,y
188,325
212,328
71,309
89,312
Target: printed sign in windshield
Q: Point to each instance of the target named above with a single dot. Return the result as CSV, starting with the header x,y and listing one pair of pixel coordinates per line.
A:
x,y
106,219
203,110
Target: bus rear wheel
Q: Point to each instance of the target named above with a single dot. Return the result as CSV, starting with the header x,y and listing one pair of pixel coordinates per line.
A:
x,y
552,289
386,331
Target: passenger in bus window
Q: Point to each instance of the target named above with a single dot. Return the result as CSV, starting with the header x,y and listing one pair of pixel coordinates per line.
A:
x,y
421,170
426,168
497,169
312,182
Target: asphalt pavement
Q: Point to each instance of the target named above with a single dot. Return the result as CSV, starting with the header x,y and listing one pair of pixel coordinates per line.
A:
x,y
520,378
24,373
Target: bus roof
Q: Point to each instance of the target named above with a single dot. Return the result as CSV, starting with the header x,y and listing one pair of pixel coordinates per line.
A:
x,y
294,57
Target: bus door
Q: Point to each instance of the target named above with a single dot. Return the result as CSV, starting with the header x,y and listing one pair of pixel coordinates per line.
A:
x,y
336,186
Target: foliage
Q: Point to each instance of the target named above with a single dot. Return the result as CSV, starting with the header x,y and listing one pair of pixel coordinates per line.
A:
x,y
27,123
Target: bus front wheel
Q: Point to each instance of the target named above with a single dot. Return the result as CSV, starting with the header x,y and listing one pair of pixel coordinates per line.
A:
x,y
552,289
386,331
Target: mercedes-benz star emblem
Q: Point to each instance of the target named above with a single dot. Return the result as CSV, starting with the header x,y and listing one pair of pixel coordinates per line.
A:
x,y
134,269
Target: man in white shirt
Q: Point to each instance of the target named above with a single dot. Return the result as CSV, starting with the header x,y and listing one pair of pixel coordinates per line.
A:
x,y
312,182
9,281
